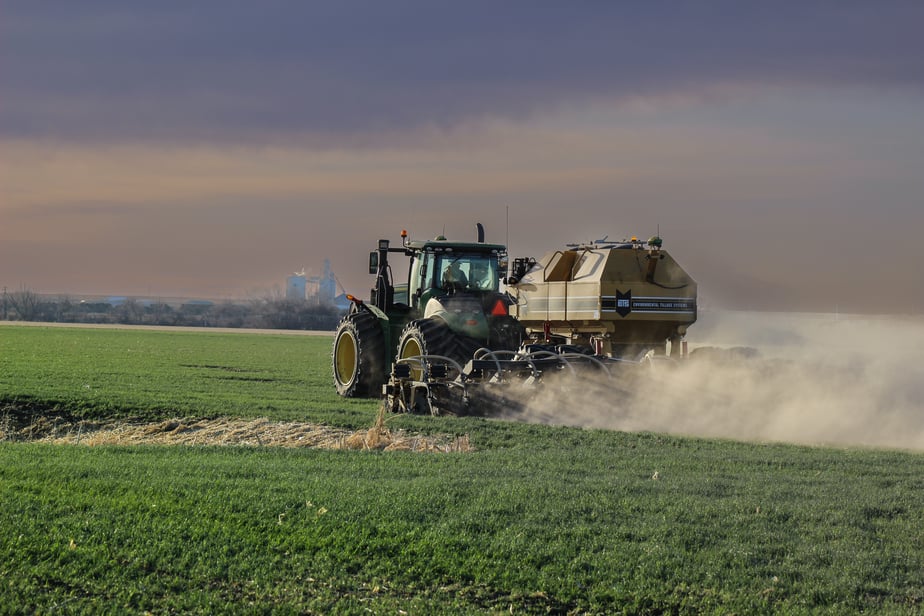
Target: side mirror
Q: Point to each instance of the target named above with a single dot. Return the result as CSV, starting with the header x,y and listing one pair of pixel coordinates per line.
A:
x,y
373,262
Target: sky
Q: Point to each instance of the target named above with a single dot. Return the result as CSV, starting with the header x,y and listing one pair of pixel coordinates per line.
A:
x,y
210,149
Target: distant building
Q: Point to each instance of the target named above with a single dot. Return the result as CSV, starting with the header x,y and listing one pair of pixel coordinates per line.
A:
x,y
327,285
296,287
318,289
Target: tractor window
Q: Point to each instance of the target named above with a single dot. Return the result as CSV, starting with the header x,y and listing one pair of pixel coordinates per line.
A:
x,y
475,272
418,274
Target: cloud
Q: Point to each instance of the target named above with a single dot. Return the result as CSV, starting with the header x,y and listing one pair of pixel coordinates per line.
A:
x,y
335,71
793,203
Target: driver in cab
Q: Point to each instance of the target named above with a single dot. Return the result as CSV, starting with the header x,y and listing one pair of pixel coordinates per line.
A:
x,y
454,278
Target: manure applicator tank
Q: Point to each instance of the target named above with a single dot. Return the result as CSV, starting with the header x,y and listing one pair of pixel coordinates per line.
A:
x,y
619,299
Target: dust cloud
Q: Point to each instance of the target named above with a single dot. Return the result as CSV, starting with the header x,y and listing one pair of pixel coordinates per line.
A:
x,y
798,378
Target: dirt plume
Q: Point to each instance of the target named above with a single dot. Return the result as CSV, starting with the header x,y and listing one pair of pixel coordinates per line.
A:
x,y
810,379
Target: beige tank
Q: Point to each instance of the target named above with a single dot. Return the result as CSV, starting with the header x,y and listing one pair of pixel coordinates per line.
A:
x,y
622,298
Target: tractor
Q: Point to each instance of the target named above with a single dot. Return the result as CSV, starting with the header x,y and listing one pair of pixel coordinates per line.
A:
x,y
450,306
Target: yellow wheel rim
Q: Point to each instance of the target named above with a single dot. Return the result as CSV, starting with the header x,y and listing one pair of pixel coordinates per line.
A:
x,y
345,358
412,348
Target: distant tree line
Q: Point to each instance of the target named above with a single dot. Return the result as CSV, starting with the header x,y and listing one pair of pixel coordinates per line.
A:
x,y
264,313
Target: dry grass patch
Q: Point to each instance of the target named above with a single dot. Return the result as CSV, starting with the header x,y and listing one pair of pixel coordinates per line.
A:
x,y
233,431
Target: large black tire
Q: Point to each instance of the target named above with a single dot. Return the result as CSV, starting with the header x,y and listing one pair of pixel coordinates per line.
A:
x,y
358,358
427,337
465,348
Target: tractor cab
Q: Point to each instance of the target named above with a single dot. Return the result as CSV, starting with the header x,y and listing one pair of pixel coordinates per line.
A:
x,y
436,268
438,273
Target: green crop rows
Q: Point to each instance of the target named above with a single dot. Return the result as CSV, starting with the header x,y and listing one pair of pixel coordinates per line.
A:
x,y
537,519
101,373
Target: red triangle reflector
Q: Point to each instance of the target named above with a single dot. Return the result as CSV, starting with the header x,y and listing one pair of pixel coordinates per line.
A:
x,y
500,309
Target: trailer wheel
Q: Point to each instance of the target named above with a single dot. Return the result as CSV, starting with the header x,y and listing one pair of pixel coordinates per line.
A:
x,y
358,358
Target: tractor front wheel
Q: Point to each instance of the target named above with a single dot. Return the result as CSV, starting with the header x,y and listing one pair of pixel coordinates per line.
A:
x,y
359,356
426,337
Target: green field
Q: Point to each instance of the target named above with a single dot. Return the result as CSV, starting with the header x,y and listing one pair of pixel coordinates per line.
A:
x,y
536,519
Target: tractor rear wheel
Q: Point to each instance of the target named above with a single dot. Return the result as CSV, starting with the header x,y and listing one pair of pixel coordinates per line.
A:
x,y
359,356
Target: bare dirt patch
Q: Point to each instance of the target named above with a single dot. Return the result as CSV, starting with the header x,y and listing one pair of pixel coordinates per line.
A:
x,y
231,432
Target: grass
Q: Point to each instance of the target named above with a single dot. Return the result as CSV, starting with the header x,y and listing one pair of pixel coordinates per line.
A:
x,y
537,520
105,373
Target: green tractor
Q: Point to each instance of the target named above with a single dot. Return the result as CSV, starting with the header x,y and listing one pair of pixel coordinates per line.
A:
x,y
450,306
